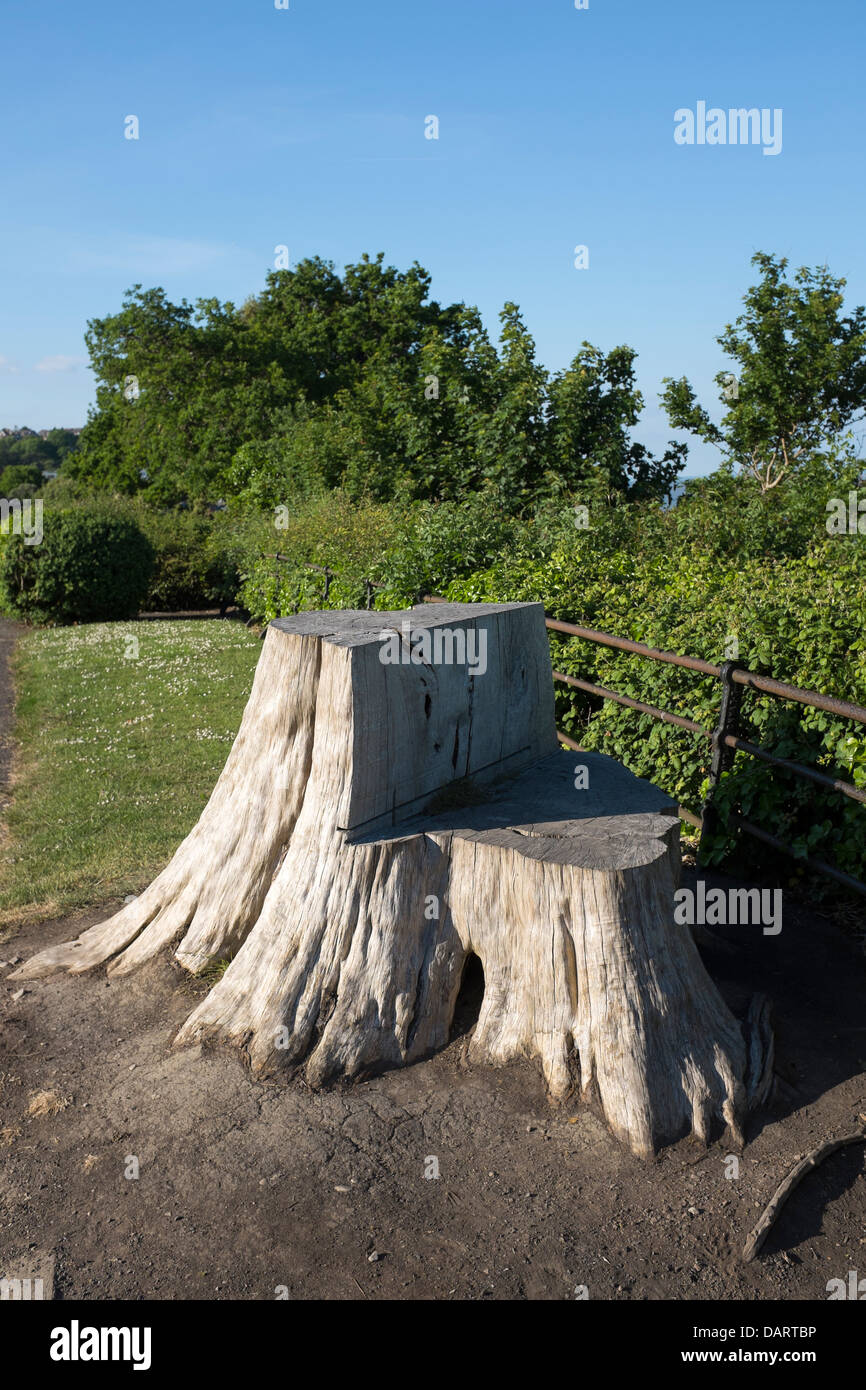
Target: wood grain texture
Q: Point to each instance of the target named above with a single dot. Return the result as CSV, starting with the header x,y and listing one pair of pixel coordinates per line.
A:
x,y
377,824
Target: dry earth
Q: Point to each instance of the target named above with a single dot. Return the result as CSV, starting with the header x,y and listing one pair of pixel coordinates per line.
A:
x,y
244,1187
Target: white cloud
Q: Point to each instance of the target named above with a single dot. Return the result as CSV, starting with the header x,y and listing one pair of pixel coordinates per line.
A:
x,y
7,365
60,363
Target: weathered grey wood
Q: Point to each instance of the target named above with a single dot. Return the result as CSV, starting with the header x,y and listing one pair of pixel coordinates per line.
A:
x,y
416,727
376,825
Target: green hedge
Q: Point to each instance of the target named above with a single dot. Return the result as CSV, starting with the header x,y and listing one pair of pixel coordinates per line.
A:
x,y
728,573
800,620
348,537
196,559
405,550
88,567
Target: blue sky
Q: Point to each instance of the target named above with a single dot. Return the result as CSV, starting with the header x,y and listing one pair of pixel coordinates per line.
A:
x,y
305,127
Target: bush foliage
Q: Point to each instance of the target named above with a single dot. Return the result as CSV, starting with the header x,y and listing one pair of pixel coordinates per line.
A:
x,y
89,567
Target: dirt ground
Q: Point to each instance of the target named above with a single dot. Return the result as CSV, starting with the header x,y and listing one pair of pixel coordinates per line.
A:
x,y
253,1191
244,1187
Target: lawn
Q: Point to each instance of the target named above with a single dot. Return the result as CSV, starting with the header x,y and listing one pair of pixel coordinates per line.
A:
x,y
121,730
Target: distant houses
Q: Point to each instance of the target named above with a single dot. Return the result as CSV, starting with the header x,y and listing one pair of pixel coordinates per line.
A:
x,y
23,432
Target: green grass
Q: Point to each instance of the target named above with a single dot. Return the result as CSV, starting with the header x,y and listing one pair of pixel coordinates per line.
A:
x,y
116,755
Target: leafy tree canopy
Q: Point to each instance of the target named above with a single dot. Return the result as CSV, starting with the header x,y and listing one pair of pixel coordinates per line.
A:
x,y
20,480
358,381
799,380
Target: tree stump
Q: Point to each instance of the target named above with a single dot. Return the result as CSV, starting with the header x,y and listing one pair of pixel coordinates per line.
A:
x,y
395,803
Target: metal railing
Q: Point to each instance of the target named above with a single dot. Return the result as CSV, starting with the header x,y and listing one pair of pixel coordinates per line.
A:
x,y
724,739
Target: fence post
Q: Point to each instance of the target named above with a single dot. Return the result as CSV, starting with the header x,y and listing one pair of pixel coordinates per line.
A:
x,y
328,577
369,590
723,757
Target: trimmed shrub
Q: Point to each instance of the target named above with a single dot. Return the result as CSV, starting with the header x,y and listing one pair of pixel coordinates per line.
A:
x,y
349,537
89,567
178,580
199,558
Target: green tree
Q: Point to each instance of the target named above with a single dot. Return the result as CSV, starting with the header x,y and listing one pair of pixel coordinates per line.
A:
x,y
799,380
20,480
29,452
63,442
177,394
593,406
359,382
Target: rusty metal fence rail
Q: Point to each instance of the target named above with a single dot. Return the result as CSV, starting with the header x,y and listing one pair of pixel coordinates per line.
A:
x,y
724,739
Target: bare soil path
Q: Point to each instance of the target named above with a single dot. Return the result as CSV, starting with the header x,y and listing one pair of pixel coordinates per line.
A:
x,y
245,1187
